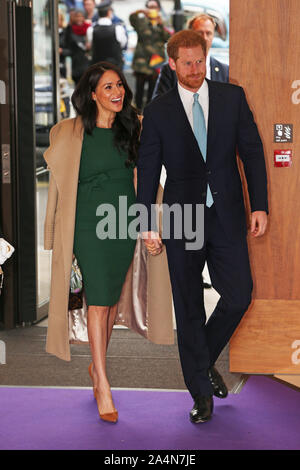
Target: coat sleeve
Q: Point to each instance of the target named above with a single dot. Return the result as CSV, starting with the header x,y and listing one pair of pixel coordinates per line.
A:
x,y
138,21
252,155
219,71
51,203
165,82
50,215
149,166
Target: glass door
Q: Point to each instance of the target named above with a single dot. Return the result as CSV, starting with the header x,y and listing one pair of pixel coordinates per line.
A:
x,y
45,95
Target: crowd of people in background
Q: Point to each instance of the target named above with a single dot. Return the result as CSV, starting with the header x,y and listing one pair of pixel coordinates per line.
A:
x,y
90,31
93,32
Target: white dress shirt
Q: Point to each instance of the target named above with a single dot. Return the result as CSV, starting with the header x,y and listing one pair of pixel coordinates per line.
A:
x,y
187,98
120,31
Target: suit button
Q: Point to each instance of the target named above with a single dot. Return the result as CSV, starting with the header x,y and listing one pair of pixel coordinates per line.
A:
x,y
215,193
208,172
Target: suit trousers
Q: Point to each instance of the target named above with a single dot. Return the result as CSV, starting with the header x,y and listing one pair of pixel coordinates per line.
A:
x,y
200,342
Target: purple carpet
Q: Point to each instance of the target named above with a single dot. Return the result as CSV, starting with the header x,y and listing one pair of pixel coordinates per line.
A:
x,y
265,415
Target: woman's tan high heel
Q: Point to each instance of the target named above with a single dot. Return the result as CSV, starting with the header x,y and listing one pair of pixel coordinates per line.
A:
x,y
90,372
110,417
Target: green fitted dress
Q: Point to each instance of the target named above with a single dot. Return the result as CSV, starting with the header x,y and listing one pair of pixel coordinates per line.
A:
x,y
103,178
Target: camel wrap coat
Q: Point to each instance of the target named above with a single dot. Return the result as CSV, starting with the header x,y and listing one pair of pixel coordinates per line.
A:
x,y
145,304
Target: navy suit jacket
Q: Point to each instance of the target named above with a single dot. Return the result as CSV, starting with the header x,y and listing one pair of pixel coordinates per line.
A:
x,y
167,78
168,139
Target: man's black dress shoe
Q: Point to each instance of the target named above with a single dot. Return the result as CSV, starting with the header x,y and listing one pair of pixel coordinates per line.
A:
x,y
202,410
219,387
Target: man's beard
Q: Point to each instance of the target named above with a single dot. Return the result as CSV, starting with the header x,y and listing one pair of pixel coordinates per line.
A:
x,y
191,81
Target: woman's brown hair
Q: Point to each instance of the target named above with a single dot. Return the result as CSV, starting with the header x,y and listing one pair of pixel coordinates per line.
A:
x,y
126,126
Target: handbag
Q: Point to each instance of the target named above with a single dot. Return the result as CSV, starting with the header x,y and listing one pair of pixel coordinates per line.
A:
x,y
6,250
76,287
77,307
78,332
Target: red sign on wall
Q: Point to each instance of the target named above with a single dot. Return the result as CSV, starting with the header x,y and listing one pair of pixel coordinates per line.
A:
x,y
283,158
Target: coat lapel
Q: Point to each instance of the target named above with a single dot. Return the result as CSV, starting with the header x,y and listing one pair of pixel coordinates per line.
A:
x,y
181,123
63,159
63,155
215,100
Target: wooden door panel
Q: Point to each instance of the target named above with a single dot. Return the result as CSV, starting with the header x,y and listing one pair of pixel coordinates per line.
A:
x,y
265,60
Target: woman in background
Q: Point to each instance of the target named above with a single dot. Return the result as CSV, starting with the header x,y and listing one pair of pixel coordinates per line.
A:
x,y
75,42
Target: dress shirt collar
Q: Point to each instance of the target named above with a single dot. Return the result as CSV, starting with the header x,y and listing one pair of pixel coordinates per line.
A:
x,y
187,95
187,99
104,21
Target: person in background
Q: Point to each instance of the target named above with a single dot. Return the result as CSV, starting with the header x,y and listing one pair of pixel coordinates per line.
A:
x,y
90,11
215,70
74,4
150,50
75,41
106,40
63,50
115,19
63,53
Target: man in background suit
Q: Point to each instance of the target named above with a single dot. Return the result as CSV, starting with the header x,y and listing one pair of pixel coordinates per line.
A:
x,y
194,131
215,70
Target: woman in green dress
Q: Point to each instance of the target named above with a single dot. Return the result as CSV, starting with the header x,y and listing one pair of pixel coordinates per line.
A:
x,y
102,99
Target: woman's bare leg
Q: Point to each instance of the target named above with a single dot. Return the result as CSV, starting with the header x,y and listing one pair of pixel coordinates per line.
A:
x,y
98,332
111,320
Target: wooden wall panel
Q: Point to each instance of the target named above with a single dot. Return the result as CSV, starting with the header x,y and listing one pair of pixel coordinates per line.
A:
x,y
289,379
265,60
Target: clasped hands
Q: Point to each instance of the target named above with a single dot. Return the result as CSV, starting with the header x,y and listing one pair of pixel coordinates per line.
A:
x,y
153,242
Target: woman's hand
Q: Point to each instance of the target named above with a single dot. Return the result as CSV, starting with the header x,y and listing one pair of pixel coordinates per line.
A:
x,y
135,180
153,242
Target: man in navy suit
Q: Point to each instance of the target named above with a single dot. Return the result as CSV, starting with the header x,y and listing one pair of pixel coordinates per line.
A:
x,y
194,130
215,70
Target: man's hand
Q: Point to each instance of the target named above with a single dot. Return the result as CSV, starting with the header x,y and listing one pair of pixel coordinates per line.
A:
x,y
153,242
259,221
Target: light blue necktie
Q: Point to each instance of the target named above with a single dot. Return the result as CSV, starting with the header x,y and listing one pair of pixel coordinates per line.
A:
x,y
201,137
